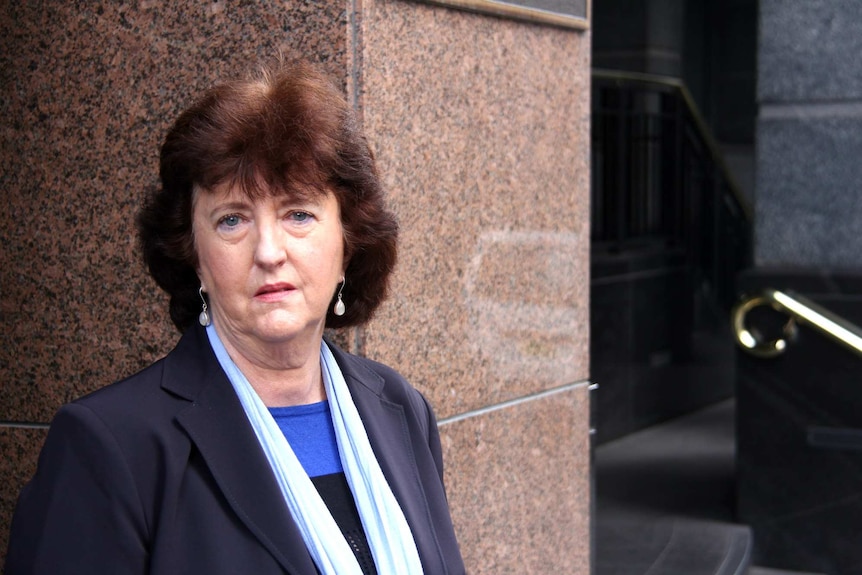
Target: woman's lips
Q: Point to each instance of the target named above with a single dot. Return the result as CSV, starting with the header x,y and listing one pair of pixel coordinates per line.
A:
x,y
273,292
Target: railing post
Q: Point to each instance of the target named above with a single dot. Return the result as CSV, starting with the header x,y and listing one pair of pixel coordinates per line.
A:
x,y
623,149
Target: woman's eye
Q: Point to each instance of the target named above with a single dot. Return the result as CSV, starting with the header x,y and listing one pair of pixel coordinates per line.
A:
x,y
300,217
230,221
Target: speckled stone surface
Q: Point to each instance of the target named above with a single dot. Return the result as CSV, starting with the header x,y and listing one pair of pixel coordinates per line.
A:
x,y
482,131
805,51
481,126
518,489
20,450
809,89
88,92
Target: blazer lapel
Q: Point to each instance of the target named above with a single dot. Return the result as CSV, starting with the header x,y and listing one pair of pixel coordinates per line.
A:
x,y
387,429
217,425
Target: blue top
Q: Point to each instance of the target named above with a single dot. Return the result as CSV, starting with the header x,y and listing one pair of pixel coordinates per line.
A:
x,y
309,431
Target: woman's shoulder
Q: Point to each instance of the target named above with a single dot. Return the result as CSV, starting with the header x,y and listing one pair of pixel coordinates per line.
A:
x,y
130,404
367,370
148,401
128,387
383,380
148,390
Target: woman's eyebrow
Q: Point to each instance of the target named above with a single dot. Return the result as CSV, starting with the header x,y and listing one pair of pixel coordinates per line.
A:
x,y
229,205
299,199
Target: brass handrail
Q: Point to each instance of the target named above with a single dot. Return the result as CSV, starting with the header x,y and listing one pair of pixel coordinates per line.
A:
x,y
800,309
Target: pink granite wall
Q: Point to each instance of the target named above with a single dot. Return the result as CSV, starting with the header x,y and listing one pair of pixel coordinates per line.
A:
x,y
481,127
87,92
482,131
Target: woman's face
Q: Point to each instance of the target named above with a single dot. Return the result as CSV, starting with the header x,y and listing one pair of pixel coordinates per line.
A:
x,y
270,266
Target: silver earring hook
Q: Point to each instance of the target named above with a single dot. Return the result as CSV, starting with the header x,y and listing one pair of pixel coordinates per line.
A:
x,y
339,308
204,317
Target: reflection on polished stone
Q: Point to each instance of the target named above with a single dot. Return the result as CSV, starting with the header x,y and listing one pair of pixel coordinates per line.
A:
x,y
524,314
799,438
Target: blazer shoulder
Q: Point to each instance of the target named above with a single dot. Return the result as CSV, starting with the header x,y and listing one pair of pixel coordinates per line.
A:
x,y
130,384
140,410
379,377
386,382
168,382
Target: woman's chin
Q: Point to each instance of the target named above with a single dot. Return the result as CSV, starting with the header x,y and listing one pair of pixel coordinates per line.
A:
x,y
279,327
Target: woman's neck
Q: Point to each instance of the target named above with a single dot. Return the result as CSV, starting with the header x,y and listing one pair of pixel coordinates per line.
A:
x,y
282,374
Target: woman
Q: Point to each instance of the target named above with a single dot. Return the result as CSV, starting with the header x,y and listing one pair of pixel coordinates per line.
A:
x,y
255,446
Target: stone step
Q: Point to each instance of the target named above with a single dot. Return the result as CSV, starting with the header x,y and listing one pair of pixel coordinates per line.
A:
x,y
768,571
671,546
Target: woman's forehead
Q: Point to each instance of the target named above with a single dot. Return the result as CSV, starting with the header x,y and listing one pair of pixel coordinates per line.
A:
x,y
258,190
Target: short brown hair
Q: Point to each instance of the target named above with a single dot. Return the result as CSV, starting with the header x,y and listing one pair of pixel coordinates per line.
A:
x,y
287,130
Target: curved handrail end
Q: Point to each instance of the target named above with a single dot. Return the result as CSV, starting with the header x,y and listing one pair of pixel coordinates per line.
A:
x,y
798,309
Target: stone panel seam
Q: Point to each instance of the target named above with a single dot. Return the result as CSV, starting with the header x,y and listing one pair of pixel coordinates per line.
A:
x,y
513,402
354,30
804,110
24,425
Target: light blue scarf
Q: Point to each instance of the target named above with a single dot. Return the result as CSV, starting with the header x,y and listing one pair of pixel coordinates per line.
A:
x,y
386,528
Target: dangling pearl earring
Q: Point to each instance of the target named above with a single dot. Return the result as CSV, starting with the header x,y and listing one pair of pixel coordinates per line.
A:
x,y
338,309
204,317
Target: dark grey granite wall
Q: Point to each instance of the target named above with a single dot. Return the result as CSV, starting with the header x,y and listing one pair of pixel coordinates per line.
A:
x,y
808,200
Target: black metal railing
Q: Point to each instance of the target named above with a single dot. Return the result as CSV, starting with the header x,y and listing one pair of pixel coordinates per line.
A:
x,y
658,178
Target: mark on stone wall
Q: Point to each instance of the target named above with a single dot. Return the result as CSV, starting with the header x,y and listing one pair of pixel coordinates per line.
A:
x,y
527,315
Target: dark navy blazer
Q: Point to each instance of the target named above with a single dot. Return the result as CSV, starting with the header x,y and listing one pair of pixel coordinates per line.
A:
x,y
162,473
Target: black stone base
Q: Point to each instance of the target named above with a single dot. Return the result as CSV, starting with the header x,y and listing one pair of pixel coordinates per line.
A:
x,y
799,435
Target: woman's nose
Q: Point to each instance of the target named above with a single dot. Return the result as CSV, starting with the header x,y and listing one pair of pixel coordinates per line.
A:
x,y
271,248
